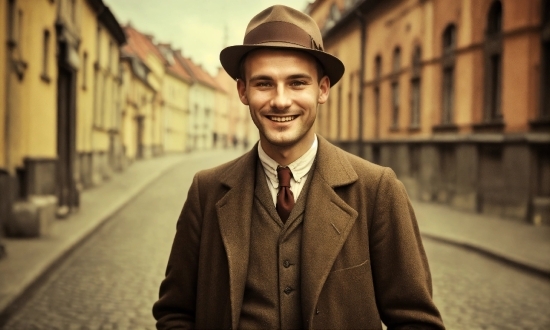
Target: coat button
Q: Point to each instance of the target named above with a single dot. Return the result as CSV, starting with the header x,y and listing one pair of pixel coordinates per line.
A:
x,y
286,263
288,290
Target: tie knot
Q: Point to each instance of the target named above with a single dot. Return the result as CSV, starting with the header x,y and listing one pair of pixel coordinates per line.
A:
x,y
284,175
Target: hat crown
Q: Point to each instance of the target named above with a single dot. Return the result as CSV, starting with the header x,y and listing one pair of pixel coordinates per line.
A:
x,y
284,14
281,27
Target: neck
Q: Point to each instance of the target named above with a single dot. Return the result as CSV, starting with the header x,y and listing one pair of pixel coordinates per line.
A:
x,y
287,154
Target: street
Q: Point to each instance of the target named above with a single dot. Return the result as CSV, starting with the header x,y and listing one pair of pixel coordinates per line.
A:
x,y
112,279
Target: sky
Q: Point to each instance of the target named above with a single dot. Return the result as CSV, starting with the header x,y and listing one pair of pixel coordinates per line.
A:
x,y
200,28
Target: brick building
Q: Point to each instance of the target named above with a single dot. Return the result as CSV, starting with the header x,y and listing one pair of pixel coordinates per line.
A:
x,y
453,95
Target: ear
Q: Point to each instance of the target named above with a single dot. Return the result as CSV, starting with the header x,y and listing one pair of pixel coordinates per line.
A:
x,y
324,90
241,88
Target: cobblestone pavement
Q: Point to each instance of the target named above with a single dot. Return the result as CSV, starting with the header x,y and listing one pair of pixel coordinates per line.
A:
x,y
473,291
111,281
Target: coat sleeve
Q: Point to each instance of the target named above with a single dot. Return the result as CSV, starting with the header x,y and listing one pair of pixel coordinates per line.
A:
x,y
175,308
401,274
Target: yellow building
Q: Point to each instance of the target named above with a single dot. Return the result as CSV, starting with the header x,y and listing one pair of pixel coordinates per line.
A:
x,y
47,49
175,101
241,131
151,131
29,141
98,117
138,96
221,119
451,94
202,103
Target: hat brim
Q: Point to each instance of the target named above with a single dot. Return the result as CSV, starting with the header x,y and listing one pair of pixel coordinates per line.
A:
x,y
230,58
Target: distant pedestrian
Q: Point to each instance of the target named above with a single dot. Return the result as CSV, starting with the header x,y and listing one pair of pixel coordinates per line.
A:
x,y
296,233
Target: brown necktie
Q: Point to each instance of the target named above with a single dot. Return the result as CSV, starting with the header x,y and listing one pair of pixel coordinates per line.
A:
x,y
285,197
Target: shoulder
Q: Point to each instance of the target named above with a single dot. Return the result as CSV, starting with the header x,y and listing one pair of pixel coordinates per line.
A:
x,y
356,166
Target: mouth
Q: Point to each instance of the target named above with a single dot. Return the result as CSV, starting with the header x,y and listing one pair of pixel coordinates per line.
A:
x,y
282,119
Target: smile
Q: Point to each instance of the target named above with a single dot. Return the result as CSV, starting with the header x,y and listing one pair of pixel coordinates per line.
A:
x,y
282,119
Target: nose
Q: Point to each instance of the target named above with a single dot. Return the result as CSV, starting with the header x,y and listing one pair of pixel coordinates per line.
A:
x,y
281,99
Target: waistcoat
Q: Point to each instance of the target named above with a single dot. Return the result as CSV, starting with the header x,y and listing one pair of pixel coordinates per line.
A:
x,y
272,291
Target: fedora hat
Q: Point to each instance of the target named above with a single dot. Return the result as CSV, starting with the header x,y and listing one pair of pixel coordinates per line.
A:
x,y
283,28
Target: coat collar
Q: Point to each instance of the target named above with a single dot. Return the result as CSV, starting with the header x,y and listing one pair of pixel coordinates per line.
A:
x,y
328,221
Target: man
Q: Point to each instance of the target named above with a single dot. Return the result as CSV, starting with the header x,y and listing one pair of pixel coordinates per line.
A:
x,y
296,233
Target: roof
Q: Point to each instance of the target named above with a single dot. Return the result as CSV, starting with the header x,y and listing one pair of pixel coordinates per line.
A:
x,y
105,16
174,66
197,72
141,45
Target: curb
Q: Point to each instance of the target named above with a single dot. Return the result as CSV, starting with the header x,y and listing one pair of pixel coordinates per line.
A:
x,y
515,262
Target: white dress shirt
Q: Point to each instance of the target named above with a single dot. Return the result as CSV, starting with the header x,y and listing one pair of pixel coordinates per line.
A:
x,y
300,169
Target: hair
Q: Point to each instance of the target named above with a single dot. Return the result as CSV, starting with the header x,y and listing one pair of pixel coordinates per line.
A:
x,y
242,73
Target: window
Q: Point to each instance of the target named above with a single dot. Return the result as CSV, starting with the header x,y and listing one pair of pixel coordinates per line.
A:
x,y
395,104
415,87
396,67
110,57
448,95
493,64
396,60
448,61
45,56
84,70
98,45
378,67
377,77
12,24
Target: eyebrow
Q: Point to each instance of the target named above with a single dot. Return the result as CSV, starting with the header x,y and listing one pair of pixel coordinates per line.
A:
x,y
291,77
300,76
260,77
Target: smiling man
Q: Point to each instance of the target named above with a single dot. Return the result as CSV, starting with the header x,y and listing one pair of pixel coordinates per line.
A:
x,y
296,233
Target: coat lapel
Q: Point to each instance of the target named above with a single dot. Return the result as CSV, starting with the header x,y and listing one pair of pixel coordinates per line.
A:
x,y
328,221
234,211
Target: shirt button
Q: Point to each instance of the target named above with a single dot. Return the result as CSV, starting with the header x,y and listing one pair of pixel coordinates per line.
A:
x,y
286,263
288,290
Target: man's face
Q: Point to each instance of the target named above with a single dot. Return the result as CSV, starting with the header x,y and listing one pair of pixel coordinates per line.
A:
x,y
283,91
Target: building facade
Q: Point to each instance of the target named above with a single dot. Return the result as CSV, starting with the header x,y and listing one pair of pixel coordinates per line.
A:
x,y
240,129
176,85
453,95
202,106
43,63
151,125
99,118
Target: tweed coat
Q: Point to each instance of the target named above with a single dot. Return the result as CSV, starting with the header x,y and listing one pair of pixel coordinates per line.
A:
x,y
362,256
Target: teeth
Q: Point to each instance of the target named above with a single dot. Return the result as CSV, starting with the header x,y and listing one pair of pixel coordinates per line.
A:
x,y
282,119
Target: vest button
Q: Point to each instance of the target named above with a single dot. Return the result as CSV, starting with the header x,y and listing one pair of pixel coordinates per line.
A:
x,y
288,290
286,263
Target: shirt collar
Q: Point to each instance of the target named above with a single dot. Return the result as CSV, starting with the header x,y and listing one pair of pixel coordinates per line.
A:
x,y
300,167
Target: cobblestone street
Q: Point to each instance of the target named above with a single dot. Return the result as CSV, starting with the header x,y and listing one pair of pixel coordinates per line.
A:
x,y
112,280
473,291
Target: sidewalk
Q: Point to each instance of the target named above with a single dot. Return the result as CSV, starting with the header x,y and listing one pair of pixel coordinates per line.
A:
x,y
521,244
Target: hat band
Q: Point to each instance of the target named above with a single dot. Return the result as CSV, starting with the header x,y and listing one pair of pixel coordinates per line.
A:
x,y
279,31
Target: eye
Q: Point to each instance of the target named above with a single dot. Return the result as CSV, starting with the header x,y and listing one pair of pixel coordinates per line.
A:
x,y
263,84
298,83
